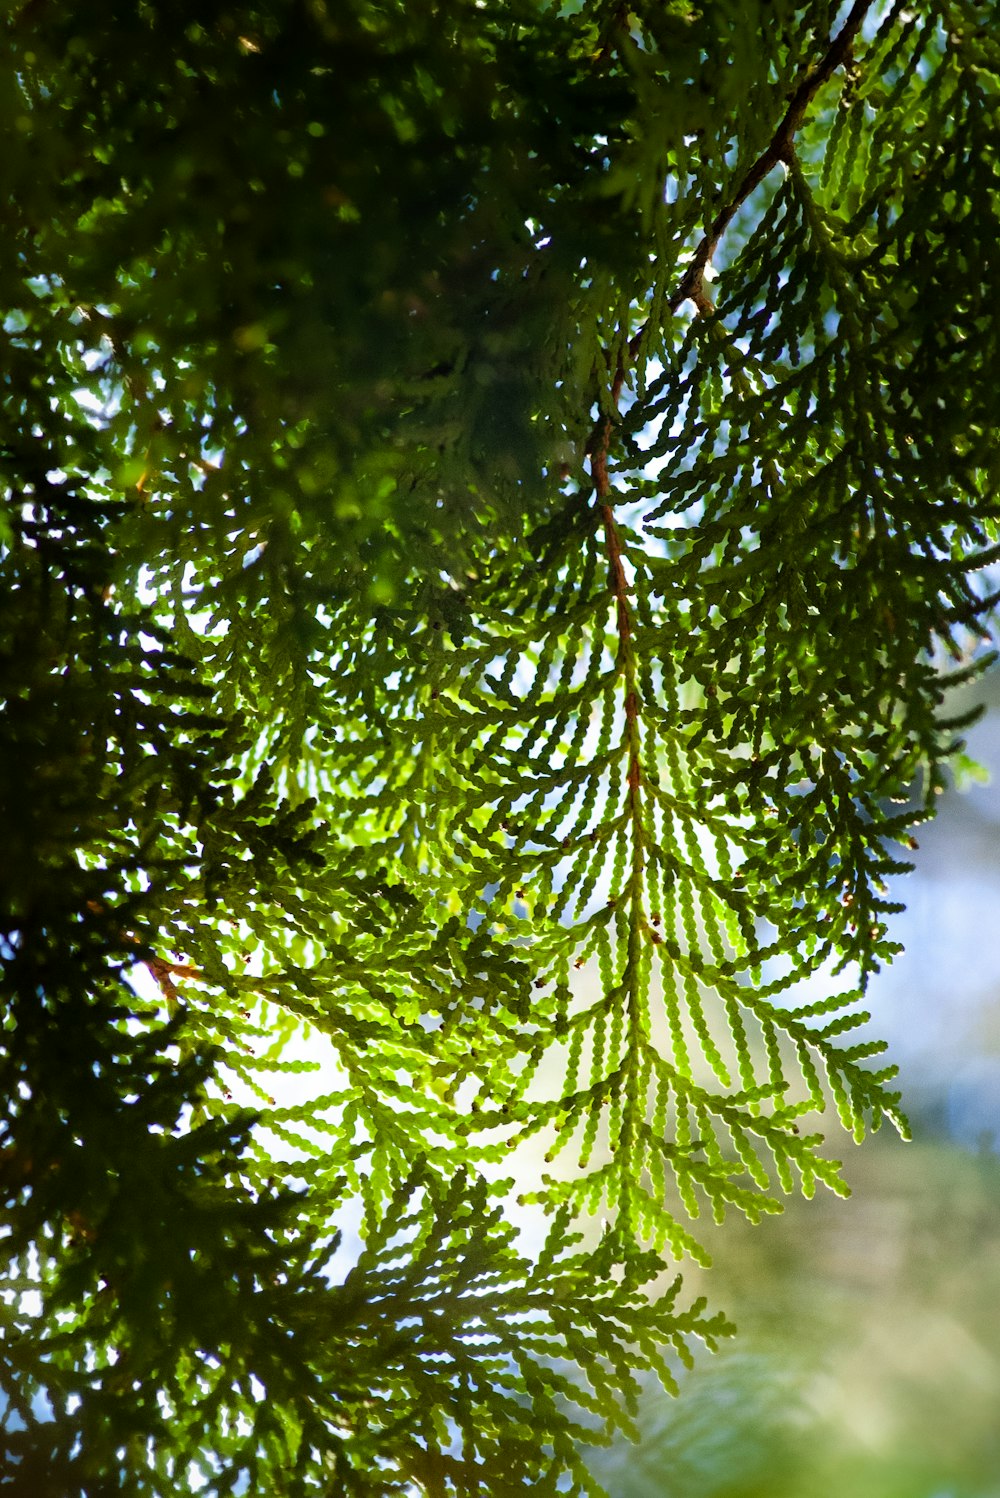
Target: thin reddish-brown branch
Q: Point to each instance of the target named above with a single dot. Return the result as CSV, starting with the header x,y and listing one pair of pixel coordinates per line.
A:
x,y
690,287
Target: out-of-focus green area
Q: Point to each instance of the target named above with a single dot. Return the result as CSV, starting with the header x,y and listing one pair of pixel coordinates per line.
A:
x,y
867,1359
867,1363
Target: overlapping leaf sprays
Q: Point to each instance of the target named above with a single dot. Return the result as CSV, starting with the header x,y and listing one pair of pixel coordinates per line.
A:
x,y
491,513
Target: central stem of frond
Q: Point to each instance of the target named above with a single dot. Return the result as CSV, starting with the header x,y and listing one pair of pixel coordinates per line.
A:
x,y
632,980
620,590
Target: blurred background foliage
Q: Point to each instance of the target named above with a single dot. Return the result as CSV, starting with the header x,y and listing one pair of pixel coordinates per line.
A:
x,y
868,1355
338,242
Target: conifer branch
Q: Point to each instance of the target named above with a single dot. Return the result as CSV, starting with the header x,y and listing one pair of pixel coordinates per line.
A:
x,y
457,736
632,1112
619,583
161,969
165,972
778,150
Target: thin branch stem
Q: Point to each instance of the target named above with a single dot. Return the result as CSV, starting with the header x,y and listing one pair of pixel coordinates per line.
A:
x,y
779,150
628,667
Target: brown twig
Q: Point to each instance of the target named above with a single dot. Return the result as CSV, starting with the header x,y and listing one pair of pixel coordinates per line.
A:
x,y
692,288
780,149
159,968
165,972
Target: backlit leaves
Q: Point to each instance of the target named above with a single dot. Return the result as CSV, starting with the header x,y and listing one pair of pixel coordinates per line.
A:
x,y
493,501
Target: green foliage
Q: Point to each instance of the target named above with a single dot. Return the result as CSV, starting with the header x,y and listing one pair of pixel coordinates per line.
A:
x,y
847,1317
419,592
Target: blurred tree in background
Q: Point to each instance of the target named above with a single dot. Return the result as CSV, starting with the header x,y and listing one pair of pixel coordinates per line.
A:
x,y
867,1357
488,488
